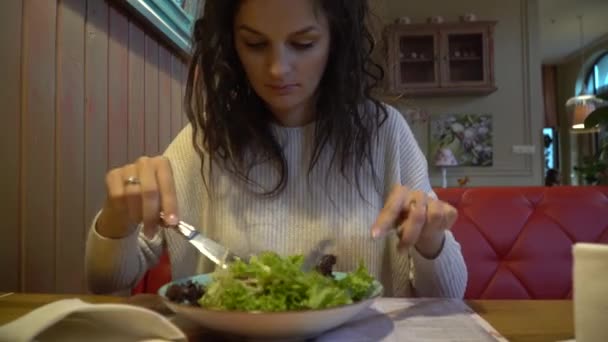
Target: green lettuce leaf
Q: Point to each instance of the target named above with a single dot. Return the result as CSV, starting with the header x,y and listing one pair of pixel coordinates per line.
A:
x,y
358,283
270,282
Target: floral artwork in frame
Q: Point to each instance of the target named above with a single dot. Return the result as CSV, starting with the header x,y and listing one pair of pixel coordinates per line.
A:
x,y
461,140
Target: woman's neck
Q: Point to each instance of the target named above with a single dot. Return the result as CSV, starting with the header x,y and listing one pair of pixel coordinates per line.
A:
x,y
298,116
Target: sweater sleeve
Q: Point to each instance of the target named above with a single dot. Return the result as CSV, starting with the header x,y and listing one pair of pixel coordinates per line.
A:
x,y
117,264
445,275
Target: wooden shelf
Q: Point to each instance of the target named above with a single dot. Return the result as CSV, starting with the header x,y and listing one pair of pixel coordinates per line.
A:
x,y
417,60
465,59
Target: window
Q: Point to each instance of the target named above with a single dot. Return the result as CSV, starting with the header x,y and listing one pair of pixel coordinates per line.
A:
x,y
551,146
174,18
597,79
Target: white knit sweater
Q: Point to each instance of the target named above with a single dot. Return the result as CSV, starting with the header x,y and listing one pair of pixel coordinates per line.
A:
x,y
310,208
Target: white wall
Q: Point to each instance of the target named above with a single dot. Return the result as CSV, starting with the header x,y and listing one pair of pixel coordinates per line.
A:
x,y
517,104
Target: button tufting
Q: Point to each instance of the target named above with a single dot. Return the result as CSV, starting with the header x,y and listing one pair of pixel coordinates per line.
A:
x,y
517,241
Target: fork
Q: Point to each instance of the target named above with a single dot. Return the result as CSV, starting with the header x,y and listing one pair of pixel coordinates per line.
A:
x,y
221,255
315,254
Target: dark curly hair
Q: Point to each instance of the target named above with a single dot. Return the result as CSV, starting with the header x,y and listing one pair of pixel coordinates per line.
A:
x,y
230,120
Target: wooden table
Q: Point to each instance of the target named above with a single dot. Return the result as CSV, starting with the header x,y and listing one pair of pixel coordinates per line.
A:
x,y
528,320
517,320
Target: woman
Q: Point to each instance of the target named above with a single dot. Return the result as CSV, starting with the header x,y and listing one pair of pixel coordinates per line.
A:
x,y
285,147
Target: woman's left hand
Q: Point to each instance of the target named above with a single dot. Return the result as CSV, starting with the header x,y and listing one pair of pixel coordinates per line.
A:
x,y
421,221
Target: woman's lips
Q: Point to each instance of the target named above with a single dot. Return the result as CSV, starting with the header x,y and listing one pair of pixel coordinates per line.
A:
x,y
282,89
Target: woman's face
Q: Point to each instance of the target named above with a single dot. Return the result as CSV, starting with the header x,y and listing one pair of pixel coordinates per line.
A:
x,y
283,47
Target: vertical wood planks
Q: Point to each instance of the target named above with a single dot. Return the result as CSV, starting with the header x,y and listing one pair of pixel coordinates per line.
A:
x,y
176,95
38,163
74,98
137,54
69,263
118,92
10,145
164,98
184,72
151,100
96,107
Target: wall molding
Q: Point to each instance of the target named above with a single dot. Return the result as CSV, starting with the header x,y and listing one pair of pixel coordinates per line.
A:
x,y
527,75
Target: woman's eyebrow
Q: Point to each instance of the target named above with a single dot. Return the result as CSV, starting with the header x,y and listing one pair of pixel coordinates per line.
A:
x,y
249,29
306,29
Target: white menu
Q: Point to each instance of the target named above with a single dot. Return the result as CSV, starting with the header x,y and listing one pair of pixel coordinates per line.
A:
x,y
415,319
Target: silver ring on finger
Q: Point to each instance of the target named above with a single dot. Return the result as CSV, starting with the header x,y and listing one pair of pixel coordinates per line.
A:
x,y
132,180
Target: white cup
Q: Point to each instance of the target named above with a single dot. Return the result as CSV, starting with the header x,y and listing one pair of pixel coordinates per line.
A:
x,y
590,292
403,20
436,19
468,17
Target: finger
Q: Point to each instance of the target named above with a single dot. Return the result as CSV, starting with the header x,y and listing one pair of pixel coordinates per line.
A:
x,y
166,186
389,215
116,190
150,200
450,215
115,205
436,215
441,215
132,193
410,229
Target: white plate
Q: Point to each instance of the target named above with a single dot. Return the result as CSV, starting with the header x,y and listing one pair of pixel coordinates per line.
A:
x,y
288,325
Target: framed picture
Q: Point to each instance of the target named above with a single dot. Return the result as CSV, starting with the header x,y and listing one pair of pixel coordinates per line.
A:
x,y
173,18
461,140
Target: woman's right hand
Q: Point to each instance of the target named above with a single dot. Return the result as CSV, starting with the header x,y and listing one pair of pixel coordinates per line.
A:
x,y
137,193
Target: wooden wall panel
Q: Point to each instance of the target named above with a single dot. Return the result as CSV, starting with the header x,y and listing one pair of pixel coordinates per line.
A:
x,y
96,107
118,96
176,96
38,187
10,144
151,101
184,71
69,199
85,88
164,98
137,53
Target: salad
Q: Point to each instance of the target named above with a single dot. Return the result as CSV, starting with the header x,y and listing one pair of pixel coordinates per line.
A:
x,y
269,282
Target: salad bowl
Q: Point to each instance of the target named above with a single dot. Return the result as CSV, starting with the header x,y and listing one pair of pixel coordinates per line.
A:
x,y
276,325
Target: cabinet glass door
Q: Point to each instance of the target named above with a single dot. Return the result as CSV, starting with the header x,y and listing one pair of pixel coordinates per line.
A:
x,y
465,58
417,58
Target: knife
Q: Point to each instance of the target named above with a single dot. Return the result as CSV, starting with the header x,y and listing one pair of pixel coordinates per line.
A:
x,y
214,251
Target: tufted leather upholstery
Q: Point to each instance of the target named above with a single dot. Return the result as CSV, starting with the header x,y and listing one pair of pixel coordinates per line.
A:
x,y
517,241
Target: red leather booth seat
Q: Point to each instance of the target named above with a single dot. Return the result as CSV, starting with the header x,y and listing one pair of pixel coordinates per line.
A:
x,y
517,241
155,277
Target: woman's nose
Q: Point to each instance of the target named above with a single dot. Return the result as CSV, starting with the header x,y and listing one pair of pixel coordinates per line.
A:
x,y
279,64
